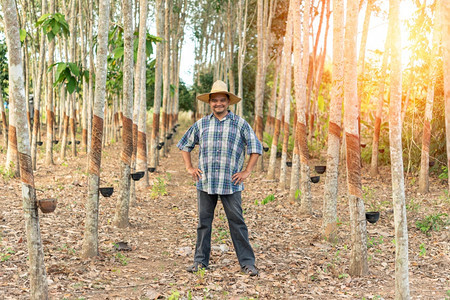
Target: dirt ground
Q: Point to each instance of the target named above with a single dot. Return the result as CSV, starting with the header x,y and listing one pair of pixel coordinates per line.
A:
x,y
294,262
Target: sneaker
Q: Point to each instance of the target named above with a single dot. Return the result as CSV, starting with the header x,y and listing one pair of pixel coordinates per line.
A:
x,y
250,270
194,268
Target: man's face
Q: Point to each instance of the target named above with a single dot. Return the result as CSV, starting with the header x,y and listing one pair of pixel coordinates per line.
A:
x,y
219,103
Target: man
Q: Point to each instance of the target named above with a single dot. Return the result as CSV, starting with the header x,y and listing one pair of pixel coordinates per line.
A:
x,y
222,137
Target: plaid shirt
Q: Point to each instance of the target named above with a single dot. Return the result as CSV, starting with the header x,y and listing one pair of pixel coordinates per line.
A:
x,y
222,144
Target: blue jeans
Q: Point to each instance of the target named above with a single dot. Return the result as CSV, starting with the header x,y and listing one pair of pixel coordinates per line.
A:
x,y
238,230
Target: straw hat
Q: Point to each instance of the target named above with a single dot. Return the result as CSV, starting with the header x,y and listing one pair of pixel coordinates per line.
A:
x,y
219,87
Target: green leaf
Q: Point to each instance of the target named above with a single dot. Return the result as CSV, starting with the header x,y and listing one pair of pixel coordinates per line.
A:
x,y
61,67
71,85
42,18
50,36
55,27
23,35
118,52
74,69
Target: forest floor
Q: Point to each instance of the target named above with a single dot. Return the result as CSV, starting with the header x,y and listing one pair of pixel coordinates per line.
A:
x,y
294,262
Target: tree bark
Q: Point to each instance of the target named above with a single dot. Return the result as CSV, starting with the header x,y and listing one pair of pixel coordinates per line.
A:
x,y
141,156
301,64
426,136
158,85
446,49
37,94
90,241
329,221
166,77
395,140
379,112
49,108
122,206
37,273
358,258
287,97
4,122
84,126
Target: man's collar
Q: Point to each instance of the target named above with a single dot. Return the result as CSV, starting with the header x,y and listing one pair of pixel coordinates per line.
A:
x,y
229,115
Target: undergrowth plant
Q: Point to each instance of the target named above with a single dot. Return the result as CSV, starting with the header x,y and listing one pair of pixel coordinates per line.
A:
x,y
7,173
159,188
433,223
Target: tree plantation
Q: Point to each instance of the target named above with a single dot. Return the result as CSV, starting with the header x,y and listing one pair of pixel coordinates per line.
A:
x,y
349,99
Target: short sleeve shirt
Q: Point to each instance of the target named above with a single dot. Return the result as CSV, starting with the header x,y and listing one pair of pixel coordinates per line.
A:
x,y
222,150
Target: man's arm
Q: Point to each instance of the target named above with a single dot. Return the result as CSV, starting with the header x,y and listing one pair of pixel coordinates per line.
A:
x,y
238,178
196,173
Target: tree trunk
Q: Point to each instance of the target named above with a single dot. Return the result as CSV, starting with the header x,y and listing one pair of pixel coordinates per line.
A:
x,y
329,222
91,76
425,155
273,98
122,207
37,274
141,156
358,258
260,84
395,140
287,97
166,77
49,108
4,122
379,112
90,242
301,64
158,85
37,93
242,31
446,49
85,82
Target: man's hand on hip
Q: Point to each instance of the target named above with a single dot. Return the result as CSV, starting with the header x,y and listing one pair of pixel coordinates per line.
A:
x,y
196,173
239,178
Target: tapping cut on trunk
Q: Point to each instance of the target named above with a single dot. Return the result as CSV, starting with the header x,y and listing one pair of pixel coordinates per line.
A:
x,y
51,120
96,152
353,165
26,169
142,149
155,125
127,139
302,142
334,129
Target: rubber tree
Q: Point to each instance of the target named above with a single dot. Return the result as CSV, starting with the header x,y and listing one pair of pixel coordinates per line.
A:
x,y
90,241
242,36
395,141
122,206
445,18
424,177
81,16
37,273
38,93
166,77
379,111
329,221
141,154
358,257
287,98
301,64
4,122
49,100
282,97
159,13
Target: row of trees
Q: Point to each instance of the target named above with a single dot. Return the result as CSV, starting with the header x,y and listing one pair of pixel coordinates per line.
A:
x,y
89,63
288,38
98,73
